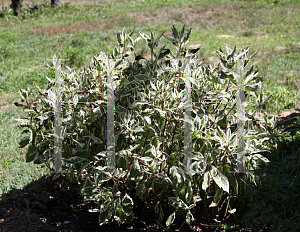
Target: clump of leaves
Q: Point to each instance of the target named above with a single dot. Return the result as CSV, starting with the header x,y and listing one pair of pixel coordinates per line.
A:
x,y
149,115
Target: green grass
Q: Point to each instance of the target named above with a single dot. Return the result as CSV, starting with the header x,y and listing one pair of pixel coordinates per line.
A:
x,y
14,174
78,32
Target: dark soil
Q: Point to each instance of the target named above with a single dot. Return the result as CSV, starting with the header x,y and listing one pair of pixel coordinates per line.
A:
x,y
55,205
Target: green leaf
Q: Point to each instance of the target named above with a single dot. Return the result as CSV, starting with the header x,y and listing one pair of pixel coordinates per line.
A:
x,y
38,88
182,31
242,54
138,129
252,107
37,161
87,187
24,141
140,188
220,179
118,62
156,185
145,194
158,37
30,111
120,109
131,41
139,103
162,53
152,35
166,182
221,121
162,113
93,138
217,198
161,214
177,178
230,53
192,52
175,42
154,142
186,194
127,204
31,153
142,76
135,168
153,85
175,32
232,181
188,217
221,54
145,159
253,54
81,170
24,94
206,180
121,36
156,207
170,219
187,36
120,216
191,206
26,131
121,162
144,36
177,203
148,120
120,141
103,217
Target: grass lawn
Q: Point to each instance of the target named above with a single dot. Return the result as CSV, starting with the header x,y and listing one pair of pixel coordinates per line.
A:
x,y
77,30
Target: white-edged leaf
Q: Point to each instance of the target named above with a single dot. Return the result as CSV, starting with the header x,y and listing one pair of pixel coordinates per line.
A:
x,y
75,100
220,179
145,159
206,180
170,219
52,95
232,211
148,120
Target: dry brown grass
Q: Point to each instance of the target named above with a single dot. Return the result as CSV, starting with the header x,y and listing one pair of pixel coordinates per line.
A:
x,y
194,16
188,15
70,28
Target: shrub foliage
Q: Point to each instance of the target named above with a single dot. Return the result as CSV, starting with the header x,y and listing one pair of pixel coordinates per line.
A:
x,y
149,130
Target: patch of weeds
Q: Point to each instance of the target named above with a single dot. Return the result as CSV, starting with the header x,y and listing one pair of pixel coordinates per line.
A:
x,y
7,13
292,48
280,100
247,34
75,55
